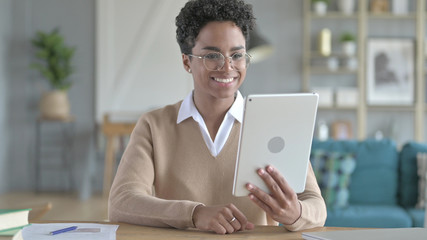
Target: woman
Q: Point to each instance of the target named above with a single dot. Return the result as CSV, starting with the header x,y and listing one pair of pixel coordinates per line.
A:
x,y
177,170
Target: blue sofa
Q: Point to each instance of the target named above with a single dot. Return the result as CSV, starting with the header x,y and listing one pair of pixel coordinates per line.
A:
x,y
383,187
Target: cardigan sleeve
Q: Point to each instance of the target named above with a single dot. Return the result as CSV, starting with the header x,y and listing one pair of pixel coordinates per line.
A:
x,y
313,208
131,197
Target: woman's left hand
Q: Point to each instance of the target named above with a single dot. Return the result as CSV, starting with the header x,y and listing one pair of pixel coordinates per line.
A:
x,y
282,203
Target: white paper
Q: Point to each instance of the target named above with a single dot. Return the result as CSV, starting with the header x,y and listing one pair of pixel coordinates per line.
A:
x,y
41,231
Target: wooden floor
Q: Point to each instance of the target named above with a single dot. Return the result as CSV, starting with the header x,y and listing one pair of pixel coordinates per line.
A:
x,y
65,206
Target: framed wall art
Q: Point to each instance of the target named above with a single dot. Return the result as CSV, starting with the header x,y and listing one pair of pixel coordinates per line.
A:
x,y
342,130
390,71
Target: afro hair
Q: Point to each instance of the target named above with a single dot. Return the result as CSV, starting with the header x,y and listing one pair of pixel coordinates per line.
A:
x,y
197,13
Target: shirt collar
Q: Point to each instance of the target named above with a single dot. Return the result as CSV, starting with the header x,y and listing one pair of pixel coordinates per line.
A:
x,y
188,109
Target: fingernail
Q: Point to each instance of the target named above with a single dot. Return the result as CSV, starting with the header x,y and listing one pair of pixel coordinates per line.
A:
x,y
270,169
261,172
249,186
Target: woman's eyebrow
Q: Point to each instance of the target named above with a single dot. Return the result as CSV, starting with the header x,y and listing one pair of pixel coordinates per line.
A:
x,y
212,49
219,50
237,48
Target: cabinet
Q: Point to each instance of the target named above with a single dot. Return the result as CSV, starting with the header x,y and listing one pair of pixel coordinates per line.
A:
x,y
365,25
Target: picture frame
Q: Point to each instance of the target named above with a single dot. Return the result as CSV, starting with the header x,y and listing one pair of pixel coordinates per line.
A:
x,y
390,71
342,130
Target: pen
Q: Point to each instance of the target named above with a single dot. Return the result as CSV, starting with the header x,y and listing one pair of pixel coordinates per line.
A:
x,y
63,230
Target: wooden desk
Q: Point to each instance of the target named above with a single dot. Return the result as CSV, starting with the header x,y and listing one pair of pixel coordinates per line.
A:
x,y
135,232
132,232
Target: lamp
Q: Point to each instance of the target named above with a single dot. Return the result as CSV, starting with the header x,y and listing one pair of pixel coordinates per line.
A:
x,y
258,48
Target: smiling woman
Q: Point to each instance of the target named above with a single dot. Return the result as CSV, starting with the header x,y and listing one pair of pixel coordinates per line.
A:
x,y
187,151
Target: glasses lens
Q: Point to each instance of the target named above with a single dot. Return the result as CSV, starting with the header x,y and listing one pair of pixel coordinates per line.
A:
x,y
213,61
240,60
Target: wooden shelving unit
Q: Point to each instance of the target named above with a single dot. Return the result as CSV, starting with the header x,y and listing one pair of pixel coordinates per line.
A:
x,y
362,17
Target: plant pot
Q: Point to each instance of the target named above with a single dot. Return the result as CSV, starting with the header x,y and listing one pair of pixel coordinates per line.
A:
x,y
55,105
349,48
351,63
320,7
399,7
346,6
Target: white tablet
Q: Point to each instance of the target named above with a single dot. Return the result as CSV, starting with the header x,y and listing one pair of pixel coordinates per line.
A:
x,y
277,130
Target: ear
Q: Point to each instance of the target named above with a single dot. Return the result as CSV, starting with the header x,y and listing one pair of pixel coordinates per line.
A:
x,y
186,62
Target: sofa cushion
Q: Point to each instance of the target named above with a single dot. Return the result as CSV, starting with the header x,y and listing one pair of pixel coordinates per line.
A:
x,y
375,179
372,216
422,180
333,172
408,187
417,216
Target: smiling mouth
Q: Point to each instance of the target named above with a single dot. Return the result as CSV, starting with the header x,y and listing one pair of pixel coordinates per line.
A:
x,y
224,80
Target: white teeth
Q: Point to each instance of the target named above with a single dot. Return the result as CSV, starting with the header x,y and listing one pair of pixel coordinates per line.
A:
x,y
221,80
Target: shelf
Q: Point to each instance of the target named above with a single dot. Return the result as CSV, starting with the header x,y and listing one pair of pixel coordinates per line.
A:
x,y
394,108
338,55
334,15
338,108
326,71
409,16
367,24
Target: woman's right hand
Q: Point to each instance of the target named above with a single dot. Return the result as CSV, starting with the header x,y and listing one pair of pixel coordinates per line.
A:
x,y
220,219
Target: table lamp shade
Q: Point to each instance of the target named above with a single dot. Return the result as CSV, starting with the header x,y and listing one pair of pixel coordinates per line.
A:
x,y
258,48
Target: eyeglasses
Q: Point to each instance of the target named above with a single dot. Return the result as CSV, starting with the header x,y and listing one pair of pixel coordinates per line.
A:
x,y
215,61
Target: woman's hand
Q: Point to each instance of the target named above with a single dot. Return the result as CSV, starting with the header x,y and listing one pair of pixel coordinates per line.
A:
x,y
220,219
282,203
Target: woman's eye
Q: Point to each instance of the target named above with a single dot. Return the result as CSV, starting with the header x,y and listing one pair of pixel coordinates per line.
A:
x,y
237,56
212,56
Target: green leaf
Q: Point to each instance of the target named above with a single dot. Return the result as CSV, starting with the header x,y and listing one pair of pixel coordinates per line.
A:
x,y
55,58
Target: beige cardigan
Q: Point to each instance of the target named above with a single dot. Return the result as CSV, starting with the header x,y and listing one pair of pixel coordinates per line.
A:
x,y
173,160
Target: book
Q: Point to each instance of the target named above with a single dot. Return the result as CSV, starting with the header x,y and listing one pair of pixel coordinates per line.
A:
x,y
374,234
13,218
12,234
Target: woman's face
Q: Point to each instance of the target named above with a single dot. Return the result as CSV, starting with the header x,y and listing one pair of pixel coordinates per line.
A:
x,y
228,39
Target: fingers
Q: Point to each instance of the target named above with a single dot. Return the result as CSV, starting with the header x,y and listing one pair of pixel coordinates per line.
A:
x,y
269,202
262,199
282,202
233,219
240,221
280,180
221,219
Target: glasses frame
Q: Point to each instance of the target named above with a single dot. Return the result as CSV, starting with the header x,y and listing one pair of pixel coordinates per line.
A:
x,y
247,56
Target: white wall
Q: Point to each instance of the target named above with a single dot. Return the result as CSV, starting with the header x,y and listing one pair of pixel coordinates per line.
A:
x,y
139,65
5,9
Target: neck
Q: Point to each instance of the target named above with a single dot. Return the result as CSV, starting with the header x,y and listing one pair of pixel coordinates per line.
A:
x,y
213,111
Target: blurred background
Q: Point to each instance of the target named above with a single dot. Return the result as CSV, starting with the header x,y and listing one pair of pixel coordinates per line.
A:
x,y
126,61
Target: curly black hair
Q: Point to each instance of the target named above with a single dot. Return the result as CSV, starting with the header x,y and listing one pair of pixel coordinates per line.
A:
x,y
197,13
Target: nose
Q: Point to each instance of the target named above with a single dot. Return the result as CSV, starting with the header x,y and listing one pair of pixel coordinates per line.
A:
x,y
228,64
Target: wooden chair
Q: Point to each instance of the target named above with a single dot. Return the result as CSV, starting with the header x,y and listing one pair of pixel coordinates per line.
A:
x,y
38,211
112,130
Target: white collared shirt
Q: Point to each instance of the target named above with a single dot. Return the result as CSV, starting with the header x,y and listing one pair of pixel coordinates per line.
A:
x,y
188,109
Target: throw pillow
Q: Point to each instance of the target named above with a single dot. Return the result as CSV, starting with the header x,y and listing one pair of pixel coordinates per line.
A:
x,y
333,173
422,178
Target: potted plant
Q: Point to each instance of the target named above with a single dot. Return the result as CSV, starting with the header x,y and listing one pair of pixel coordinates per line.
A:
x,y
346,6
54,64
348,41
320,6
